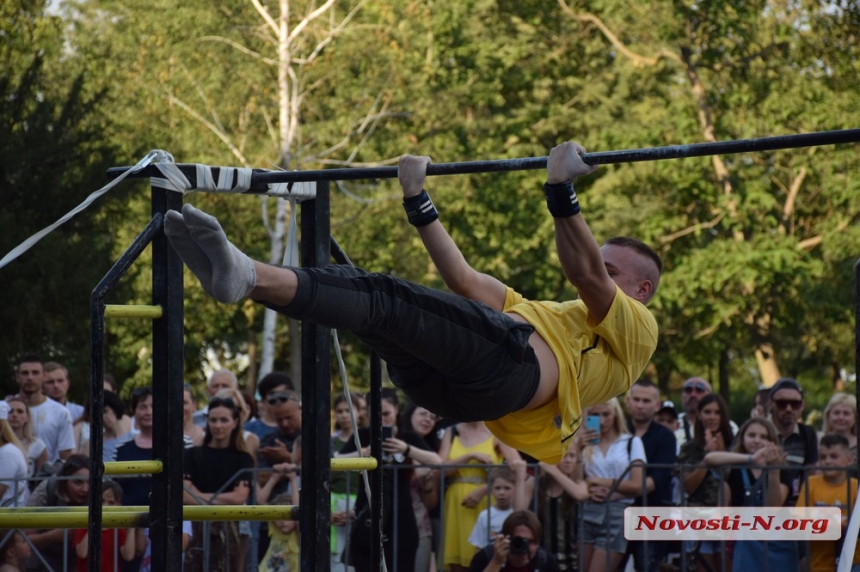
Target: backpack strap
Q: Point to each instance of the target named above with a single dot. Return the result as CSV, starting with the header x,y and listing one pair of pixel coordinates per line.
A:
x,y
630,449
809,441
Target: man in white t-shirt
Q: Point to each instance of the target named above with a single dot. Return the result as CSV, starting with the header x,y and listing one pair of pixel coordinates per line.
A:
x,y
56,386
51,421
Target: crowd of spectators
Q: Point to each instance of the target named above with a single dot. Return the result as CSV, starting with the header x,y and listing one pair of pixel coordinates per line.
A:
x,y
455,497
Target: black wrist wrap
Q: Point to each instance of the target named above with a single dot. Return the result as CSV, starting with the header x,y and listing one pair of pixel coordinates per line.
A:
x,y
420,210
561,199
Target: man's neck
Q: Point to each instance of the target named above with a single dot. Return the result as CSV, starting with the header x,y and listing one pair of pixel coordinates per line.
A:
x,y
786,431
33,399
641,427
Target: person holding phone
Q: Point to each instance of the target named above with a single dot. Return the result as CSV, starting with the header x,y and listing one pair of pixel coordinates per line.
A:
x,y
613,470
400,452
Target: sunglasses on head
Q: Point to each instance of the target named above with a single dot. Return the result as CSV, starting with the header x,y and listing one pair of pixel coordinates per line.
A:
x,y
222,402
695,389
142,391
786,403
276,398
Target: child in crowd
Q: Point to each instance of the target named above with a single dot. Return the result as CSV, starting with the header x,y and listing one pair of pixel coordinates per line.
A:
x,y
490,520
831,488
111,496
283,552
144,545
14,551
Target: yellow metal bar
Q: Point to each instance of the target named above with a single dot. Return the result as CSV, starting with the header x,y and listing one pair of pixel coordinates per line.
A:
x,y
353,464
132,311
133,467
124,517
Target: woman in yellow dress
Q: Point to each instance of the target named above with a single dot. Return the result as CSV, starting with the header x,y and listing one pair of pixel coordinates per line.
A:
x,y
466,487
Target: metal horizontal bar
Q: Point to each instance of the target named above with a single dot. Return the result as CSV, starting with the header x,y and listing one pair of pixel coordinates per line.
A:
x,y
132,311
133,468
125,517
261,177
353,464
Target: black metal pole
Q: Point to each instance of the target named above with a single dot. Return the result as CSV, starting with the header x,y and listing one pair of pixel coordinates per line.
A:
x,y
377,551
167,393
315,497
262,177
97,399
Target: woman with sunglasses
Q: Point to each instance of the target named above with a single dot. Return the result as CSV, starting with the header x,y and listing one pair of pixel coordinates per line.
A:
x,y
702,484
218,473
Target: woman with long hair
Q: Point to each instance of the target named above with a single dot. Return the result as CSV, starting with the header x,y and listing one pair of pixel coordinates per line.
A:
x,y
560,492
612,462
703,484
35,450
192,432
70,487
757,484
13,464
217,473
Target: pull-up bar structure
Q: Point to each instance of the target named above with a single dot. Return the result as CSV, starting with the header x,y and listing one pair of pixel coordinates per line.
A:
x,y
166,510
261,178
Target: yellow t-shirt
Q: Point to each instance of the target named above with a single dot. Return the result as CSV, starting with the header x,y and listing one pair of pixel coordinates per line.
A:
x,y
823,553
596,362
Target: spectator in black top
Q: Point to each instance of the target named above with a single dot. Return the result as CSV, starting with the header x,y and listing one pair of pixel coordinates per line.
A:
x,y
643,401
214,475
798,440
517,547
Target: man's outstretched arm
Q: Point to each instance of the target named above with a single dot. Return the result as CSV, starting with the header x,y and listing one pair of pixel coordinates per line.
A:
x,y
578,251
458,275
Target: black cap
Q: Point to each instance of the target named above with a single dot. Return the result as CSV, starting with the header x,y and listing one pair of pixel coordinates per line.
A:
x,y
668,407
785,383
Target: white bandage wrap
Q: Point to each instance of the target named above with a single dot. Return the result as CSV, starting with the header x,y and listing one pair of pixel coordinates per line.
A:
x,y
230,180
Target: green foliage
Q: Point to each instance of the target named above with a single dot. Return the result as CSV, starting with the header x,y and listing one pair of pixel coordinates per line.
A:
x,y
762,257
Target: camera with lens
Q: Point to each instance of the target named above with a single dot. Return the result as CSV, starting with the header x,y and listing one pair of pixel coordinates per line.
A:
x,y
519,545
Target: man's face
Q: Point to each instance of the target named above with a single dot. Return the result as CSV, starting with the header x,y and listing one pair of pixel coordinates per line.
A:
x,y
787,407
522,560
263,405
627,267
642,403
30,376
56,384
694,390
219,381
288,415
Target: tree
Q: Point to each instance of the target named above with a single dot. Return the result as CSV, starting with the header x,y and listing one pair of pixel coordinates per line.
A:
x,y
51,157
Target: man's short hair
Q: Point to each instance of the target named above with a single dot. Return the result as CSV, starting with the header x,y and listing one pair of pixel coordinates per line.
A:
x,y
272,380
835,440
640,247
786,383
28,358
53,366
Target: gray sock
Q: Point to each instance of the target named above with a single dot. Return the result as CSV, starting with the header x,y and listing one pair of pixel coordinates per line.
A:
x,y
225,272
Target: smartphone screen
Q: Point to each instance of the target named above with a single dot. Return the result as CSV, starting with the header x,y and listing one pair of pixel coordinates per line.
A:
x,y
593,422
386,433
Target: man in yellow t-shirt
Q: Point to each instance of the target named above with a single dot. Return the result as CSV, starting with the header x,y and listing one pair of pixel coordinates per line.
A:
x,y
484,352
831,488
